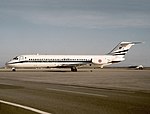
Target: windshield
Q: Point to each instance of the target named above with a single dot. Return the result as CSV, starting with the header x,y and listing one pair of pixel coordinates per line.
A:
x,y
15,58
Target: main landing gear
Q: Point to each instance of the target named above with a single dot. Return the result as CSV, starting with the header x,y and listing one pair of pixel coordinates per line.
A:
x,y
73,69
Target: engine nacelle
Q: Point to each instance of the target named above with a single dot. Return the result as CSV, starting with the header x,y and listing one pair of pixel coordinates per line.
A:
x,y
99,61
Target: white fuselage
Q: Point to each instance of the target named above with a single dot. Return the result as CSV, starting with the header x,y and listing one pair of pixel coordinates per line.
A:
x,y
52,61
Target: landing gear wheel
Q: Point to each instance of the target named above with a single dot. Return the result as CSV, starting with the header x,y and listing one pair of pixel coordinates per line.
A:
x,y
13,69
73,69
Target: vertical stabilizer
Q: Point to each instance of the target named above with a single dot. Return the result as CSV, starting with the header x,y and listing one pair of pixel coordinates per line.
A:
x,y
122,48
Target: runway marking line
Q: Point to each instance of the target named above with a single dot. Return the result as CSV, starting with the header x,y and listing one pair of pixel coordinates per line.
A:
x,y
7,84
77,92
24,107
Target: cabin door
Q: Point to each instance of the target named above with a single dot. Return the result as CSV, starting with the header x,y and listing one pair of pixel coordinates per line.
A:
x,y
21,58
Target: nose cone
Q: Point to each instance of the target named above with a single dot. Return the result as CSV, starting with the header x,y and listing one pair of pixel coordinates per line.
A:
x,y
8,64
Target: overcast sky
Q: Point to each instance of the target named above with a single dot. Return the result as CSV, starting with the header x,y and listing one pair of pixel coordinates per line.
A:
x,y
74,27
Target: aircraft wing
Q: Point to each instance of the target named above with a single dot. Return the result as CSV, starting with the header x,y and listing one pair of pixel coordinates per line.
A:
x,y
71,65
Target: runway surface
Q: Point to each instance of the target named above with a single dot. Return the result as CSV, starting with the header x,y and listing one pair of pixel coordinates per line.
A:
x,y
105,91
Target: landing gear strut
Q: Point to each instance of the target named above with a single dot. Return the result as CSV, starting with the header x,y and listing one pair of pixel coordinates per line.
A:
x,y
73,69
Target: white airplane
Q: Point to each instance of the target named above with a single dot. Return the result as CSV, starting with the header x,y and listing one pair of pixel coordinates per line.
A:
x,y
71,61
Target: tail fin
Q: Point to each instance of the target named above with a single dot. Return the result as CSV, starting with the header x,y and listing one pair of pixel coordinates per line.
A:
x,y
122,48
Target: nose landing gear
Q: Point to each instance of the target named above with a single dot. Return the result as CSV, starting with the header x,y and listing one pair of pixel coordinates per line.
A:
x,y
13,69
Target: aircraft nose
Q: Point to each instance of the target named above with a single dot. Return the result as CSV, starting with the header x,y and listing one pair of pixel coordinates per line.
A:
x,y
7,63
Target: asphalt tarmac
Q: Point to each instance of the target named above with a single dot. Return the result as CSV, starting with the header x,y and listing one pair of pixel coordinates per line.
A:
x,y
104,91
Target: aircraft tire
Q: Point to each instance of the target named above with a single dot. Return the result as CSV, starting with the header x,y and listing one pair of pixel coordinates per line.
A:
x,y
73,69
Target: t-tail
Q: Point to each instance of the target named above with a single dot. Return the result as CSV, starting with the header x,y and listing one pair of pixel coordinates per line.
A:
x,y
121,50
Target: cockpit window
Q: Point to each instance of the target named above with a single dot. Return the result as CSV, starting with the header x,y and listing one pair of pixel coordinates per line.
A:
x,y
15,58
120,47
